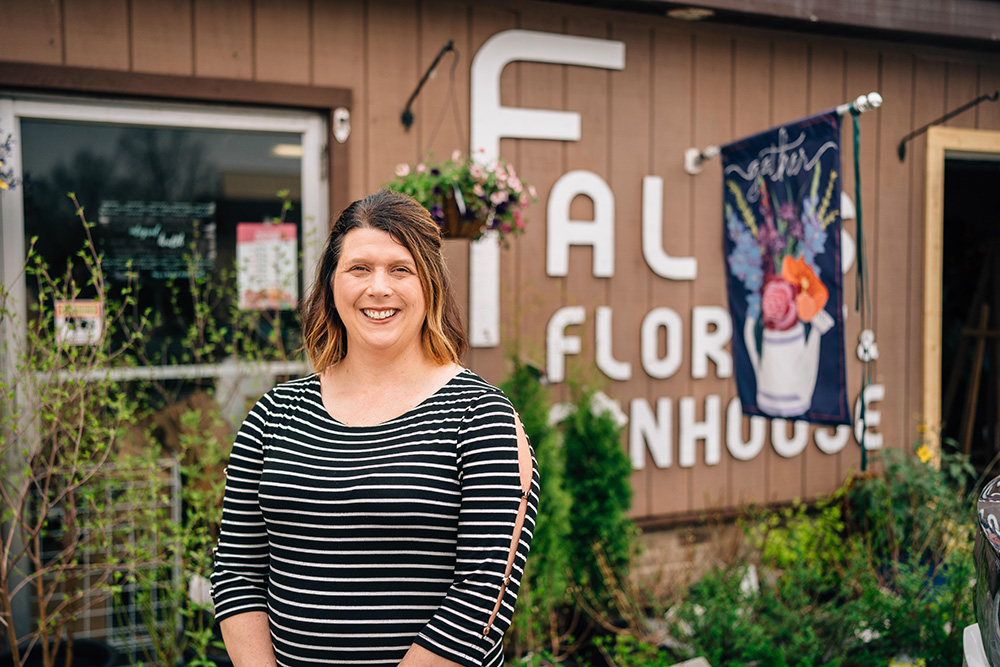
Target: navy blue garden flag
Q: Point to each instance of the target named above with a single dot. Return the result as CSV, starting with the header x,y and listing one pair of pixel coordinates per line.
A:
x,y
781,201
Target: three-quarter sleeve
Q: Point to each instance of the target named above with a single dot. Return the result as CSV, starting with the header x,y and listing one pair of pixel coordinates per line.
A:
x,y
469,625
239,580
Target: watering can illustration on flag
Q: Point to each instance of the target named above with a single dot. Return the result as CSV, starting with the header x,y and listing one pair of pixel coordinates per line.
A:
x,y
787,365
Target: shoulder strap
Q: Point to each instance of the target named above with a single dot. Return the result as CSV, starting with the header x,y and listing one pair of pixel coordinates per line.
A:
x,y
525,469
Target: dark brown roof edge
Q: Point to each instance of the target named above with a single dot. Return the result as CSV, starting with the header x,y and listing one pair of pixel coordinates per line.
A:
x,y
136,84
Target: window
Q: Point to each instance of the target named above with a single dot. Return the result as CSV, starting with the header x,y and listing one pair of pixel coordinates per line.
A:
x,y
168,187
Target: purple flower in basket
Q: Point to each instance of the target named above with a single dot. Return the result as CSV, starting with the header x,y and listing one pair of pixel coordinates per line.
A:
x,y
437,212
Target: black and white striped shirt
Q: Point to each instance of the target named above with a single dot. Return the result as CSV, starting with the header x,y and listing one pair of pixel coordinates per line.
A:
x,y
359,541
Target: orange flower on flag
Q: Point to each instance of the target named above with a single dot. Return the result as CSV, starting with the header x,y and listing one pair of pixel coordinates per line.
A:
x,y
812,292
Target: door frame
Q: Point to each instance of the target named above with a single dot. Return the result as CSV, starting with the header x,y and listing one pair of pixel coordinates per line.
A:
x,y
942,143
335,104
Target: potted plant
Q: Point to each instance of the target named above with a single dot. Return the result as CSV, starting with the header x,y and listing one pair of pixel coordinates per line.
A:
x,y
466,197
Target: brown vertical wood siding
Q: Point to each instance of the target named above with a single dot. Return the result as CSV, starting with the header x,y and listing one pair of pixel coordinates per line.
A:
x,y
683,85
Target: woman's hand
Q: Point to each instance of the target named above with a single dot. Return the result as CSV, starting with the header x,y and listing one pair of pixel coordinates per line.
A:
x,y
248,640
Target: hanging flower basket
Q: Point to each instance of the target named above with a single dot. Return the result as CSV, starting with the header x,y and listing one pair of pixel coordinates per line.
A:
x,y
466,198
456,223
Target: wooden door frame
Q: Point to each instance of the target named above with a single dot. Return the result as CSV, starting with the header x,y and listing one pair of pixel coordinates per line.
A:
x,y
941,141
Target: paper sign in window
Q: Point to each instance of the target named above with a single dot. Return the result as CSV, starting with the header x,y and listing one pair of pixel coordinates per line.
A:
x,y
79,321
267,266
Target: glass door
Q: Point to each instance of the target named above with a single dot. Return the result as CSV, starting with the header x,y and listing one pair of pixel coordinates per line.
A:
x,y
213,218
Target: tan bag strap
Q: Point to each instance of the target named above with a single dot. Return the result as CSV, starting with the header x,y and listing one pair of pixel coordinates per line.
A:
x,y
523,466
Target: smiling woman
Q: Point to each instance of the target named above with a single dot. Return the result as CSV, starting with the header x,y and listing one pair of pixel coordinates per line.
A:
x,y
379,511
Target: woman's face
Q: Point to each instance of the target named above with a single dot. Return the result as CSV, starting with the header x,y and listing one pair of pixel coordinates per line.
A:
x,y
378,293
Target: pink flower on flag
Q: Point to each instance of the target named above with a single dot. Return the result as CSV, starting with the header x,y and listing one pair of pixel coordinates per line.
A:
x,y
777,303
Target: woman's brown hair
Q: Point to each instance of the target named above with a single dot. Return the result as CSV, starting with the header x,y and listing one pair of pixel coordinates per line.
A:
x,y
323,334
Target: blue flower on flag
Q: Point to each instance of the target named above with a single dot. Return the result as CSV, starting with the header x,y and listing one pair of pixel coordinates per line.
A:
x,y
745,260
814,233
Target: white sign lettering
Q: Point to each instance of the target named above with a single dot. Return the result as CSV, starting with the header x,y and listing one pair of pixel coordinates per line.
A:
x,y
490,121
662,264
562,232
656,435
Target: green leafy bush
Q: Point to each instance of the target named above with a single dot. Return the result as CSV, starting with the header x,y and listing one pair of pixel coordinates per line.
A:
x,y
917,526
62,418
881,568
623,650
911,507
91,450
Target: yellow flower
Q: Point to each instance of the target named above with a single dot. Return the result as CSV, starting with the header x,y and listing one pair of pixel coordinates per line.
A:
x,y
924,453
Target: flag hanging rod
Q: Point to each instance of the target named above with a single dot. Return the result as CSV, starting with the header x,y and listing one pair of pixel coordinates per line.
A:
x,y
406,118
694,157
901,149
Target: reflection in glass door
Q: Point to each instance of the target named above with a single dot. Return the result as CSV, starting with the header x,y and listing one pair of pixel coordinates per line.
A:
x,y
167,189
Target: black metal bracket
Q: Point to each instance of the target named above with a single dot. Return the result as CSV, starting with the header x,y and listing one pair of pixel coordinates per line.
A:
x,y
901,150
407,115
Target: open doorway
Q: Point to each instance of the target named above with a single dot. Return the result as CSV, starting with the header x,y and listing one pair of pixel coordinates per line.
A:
x,y
959,255
970,307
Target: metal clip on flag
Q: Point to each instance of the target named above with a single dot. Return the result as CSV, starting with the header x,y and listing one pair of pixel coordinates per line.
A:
x,y
694,157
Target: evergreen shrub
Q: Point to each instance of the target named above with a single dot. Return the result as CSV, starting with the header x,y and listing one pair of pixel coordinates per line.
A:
x,y
537,623
602,541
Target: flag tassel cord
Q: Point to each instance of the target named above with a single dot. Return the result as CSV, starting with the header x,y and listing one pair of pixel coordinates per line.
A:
x,y
693,158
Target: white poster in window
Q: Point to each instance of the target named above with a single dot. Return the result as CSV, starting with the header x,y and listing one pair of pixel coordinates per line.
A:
x,y
79,321
267,266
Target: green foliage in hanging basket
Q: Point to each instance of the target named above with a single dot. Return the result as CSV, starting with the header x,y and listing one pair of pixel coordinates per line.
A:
x,y
468,198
